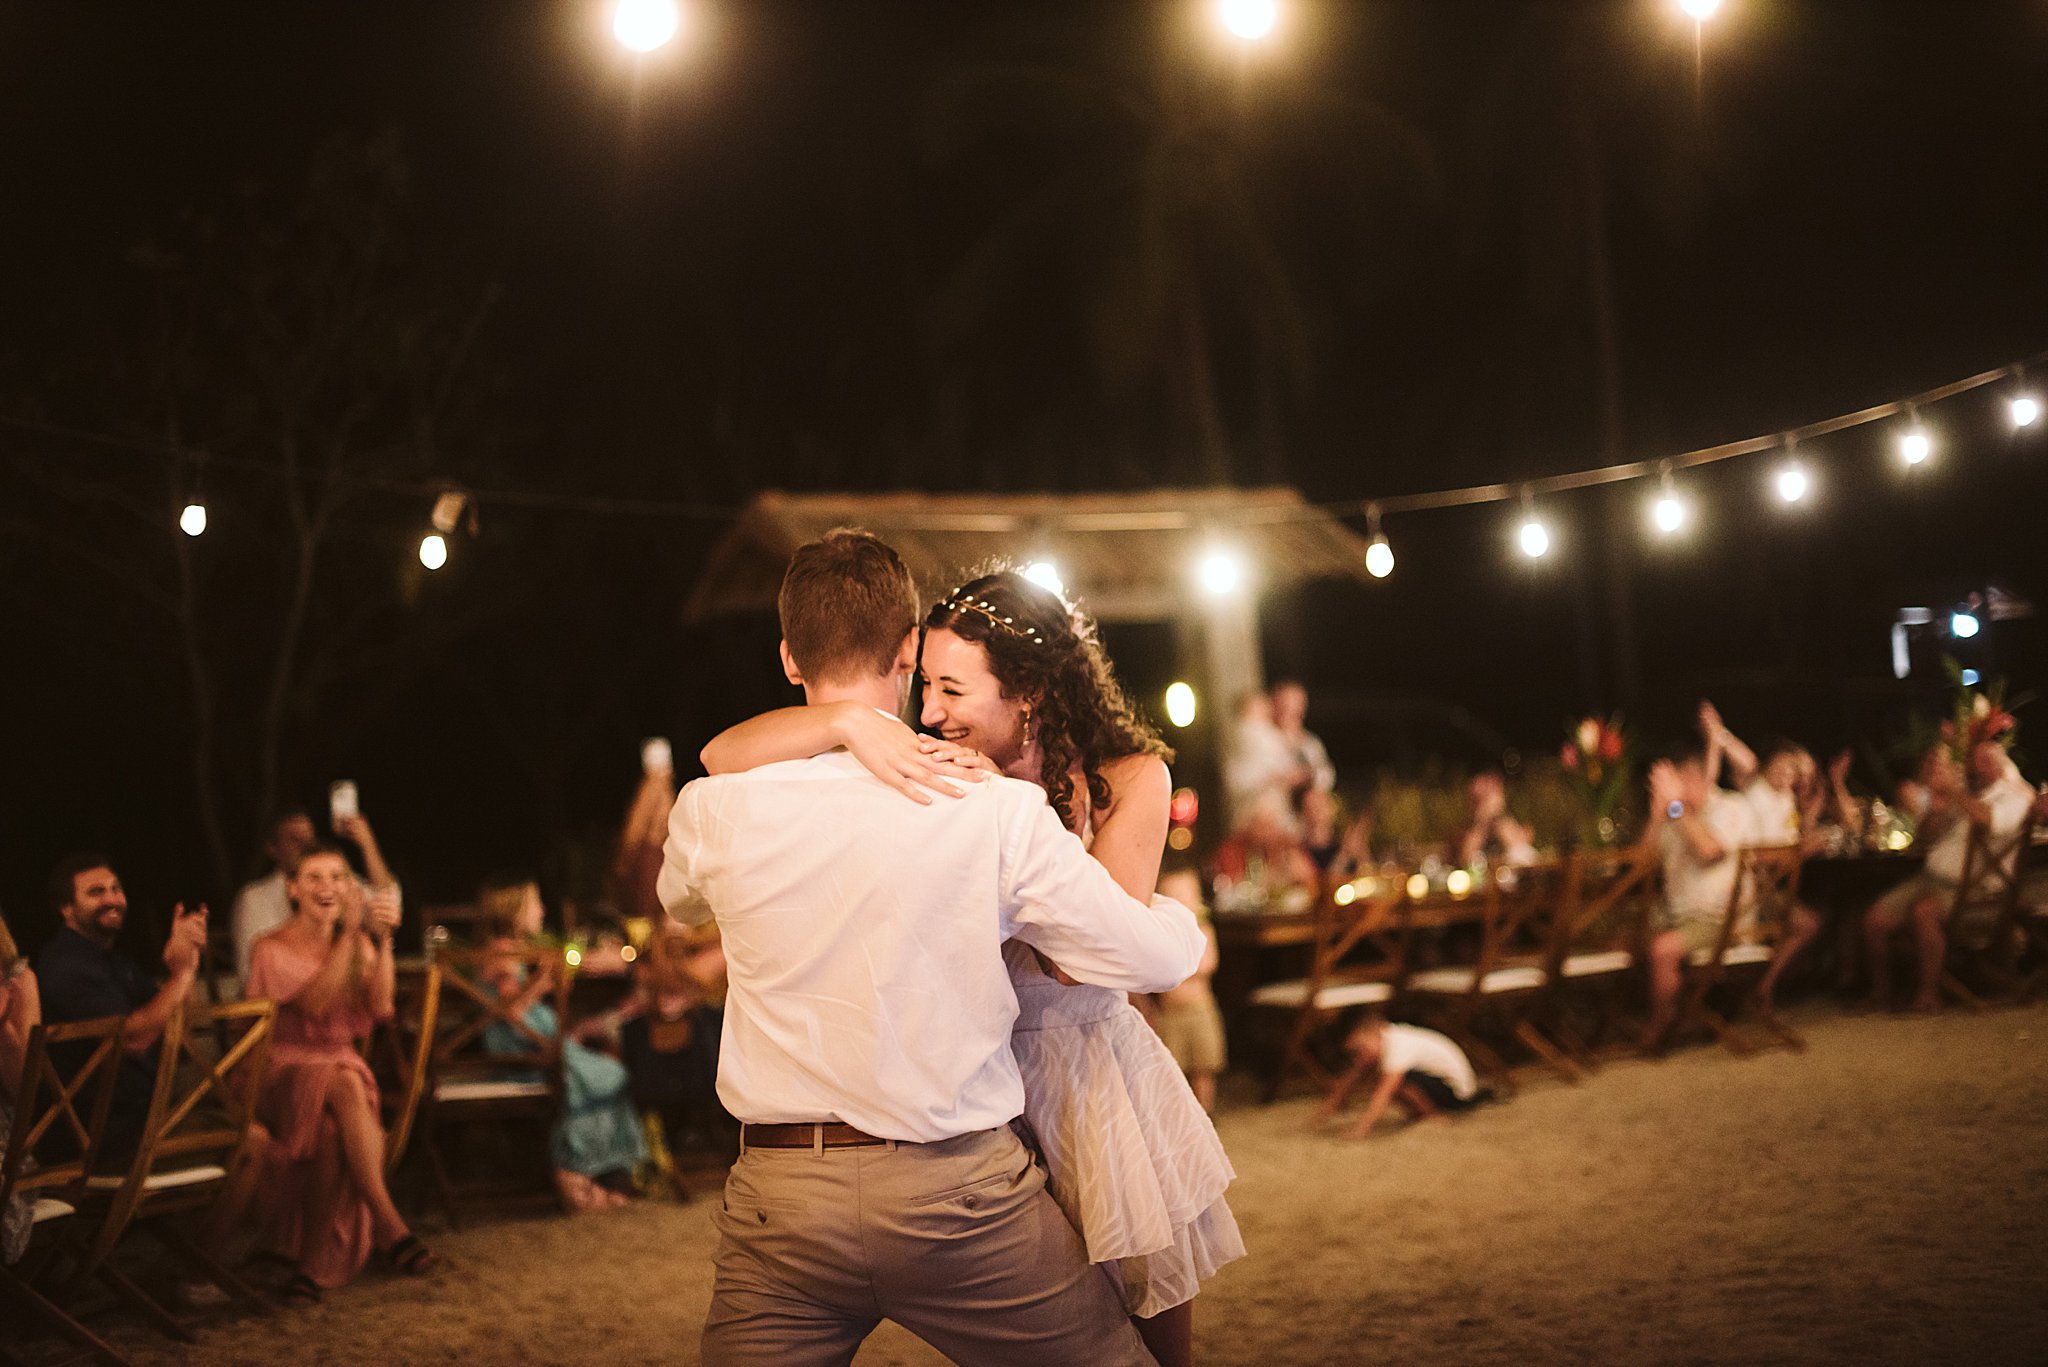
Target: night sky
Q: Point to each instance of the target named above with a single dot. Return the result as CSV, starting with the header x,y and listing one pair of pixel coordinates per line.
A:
x,y
819,245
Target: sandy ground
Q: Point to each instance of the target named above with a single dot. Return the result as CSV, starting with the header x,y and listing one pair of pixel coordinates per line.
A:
x,y
1882,1198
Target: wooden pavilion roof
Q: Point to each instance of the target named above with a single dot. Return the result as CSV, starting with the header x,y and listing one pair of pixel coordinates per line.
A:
x,y
1127,556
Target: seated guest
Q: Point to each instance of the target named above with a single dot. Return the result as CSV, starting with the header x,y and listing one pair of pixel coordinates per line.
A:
x,y
1491,835
1187,1017
1699,831
20,1012
262,906
1422,1069
1353,855
670,1042
331,972
81,977
1992,797
596,1142
1265,854
1785,798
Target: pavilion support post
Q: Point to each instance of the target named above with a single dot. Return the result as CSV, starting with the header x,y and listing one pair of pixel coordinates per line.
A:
x,y
1233,668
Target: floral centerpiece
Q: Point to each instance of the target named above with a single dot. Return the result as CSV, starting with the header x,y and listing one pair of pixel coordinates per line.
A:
x,y
1596,765
1978,716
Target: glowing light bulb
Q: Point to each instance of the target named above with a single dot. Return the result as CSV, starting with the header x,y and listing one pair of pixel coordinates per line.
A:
x,y
1700,10
192,521
1535,539
433,550
1668,513
1964,625
1046,575
644,25
1970,678
1345,894
1379,558
1180,704
1915,446
1221,572
1457,882
1250,20
1793,484
1418,885
2026,411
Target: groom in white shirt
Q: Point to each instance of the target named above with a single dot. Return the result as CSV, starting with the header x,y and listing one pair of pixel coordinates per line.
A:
x,y
867,1028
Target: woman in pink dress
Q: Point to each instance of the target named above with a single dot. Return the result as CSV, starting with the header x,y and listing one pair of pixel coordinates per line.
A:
x,y
330,971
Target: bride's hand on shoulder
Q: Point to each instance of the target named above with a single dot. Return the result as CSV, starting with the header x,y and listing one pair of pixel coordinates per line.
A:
x,y
896,755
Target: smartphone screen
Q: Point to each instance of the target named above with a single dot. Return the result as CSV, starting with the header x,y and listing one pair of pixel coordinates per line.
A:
x,y
656,757
341,800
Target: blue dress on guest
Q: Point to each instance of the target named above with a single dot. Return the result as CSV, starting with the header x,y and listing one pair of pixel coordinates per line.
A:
x,y
599,1130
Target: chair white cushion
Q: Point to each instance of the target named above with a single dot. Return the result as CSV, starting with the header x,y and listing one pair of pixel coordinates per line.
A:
x,y
487,1090
49,1208
1596,963
1332,997
1456,982
162,1181
1737,954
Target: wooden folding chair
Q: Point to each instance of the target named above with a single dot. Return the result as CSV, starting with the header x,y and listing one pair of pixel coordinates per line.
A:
x,y
470,1082
1986,923
198,1123
1351,964
1597,943
400,1053
1759,906
48,1106
1504,985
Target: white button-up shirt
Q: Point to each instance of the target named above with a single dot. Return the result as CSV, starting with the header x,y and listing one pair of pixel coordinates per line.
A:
x,y
863,939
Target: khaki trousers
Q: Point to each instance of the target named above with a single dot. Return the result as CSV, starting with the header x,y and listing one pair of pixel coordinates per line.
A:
x,y
956,1241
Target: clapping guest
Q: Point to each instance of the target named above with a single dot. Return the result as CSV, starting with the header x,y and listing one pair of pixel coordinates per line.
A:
x,y
1992,797
1785,798
1699,831
596,1142
670,1044
263,905
1491,835
330,969
81,977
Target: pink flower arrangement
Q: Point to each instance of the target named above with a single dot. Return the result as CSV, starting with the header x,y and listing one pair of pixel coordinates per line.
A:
x,y
1595,756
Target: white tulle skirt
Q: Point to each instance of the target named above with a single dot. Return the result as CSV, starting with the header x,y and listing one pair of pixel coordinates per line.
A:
x,y
1129,1153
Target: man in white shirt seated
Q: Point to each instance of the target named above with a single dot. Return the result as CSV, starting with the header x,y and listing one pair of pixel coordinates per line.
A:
x,y
262,905
1993,798
866,1043
1784,794
1699,831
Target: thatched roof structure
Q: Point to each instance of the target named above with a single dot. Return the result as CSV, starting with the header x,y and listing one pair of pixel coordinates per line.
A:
x,y
1127,556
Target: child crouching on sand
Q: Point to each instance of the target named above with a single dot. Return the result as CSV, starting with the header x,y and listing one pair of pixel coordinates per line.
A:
x,y
1426,1071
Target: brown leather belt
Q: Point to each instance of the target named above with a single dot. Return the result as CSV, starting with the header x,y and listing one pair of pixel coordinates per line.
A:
x,y
829,1135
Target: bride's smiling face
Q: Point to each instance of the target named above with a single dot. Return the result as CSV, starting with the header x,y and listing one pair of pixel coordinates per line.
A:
x,y
964,703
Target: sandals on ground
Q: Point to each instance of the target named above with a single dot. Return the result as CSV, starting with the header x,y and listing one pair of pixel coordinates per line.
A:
x,y
301,1291
408,1257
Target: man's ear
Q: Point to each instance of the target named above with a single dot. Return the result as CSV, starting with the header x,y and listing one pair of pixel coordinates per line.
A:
x,y
906,657
789,669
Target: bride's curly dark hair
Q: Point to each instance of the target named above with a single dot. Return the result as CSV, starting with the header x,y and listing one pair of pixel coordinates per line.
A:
x,y
1048,653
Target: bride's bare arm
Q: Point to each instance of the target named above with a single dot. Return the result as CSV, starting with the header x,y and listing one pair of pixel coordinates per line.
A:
x,y
1130,833
884,746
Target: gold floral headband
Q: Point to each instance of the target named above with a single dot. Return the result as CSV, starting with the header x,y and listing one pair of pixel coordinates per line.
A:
x,y
982,607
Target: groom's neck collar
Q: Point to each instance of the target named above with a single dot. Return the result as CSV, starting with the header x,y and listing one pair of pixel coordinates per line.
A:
x,y
883,693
